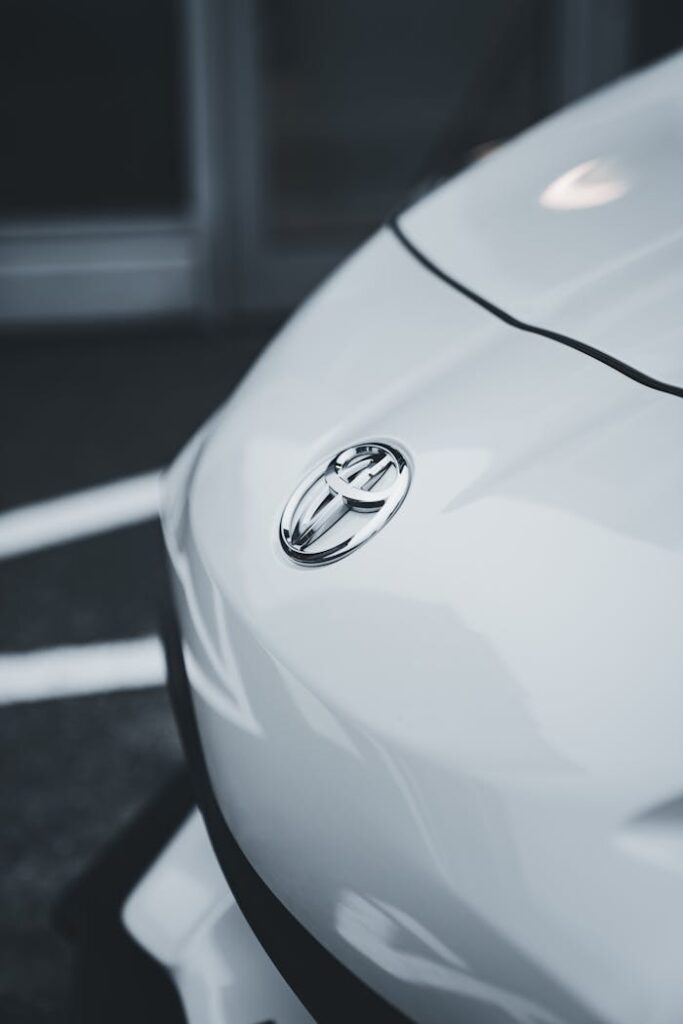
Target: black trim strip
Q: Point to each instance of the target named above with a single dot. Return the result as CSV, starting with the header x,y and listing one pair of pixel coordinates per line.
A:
x,y
331,993
580,346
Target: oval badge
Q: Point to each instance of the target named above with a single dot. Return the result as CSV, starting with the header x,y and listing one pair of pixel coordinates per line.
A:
x,y
343,503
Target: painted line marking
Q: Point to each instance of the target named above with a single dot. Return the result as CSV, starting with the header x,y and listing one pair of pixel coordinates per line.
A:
x,y
81,514
73,671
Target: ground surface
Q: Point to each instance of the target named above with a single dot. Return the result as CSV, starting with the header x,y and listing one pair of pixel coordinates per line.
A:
x,y
78,409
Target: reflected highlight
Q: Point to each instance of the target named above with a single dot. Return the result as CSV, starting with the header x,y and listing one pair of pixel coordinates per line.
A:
x,y
592,183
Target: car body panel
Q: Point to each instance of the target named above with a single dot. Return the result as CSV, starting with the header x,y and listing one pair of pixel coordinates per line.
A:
x,y
184,915
577,225
455,755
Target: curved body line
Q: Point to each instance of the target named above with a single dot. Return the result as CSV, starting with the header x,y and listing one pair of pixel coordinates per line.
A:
x,y
580,346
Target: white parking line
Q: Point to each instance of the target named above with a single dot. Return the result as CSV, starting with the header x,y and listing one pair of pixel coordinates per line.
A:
x,y
74,671
82,514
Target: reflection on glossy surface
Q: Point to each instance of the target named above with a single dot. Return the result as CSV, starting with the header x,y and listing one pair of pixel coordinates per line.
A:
x,y
591,183
207,649
657,834
535,228
401,946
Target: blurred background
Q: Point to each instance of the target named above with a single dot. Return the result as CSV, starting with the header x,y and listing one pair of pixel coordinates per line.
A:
x,y
203,158
176,175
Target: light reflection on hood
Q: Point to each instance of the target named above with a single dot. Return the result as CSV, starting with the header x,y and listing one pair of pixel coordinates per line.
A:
x,y
592,183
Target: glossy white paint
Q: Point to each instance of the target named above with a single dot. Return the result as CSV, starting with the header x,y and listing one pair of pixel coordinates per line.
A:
x,y
454,755
183,914
577,225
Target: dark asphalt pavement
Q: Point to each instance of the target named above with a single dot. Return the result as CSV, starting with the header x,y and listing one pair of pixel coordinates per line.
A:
x,y
80,408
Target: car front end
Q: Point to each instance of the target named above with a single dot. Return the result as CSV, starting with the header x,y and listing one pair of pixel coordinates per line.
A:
x,y
426,642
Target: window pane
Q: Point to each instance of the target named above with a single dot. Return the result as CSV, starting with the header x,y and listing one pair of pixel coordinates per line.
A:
x,y
90,107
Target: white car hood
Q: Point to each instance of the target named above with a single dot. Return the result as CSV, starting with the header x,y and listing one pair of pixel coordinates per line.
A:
x,y
577,225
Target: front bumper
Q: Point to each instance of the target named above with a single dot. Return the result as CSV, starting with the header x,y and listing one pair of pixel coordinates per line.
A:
x,y
203,912
185,917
